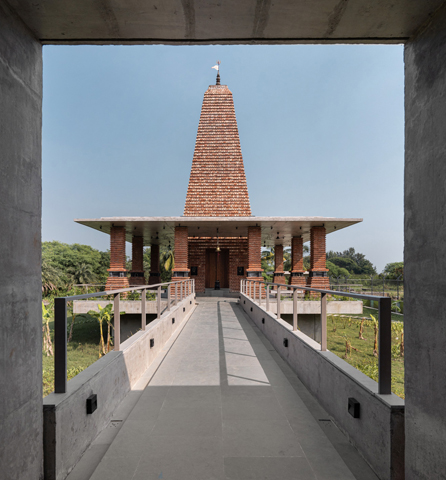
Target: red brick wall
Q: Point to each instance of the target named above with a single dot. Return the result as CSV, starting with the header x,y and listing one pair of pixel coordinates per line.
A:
x,y
117,249
318,258
297,262
117,259
154,277
137,254
238,257
181,253
278,264
254,249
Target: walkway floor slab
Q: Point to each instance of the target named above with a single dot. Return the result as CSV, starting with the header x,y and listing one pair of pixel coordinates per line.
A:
x,y
224,405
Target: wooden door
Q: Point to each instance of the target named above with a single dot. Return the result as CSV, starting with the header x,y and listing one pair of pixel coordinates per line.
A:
x,y
217,267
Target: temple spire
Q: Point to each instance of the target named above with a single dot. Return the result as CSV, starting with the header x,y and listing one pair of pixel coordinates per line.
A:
x,y
217,184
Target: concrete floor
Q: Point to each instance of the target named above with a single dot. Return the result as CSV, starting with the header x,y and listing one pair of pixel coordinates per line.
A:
x,y
222,404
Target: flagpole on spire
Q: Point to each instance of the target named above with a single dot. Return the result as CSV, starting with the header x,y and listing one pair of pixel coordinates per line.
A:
x,y
217,67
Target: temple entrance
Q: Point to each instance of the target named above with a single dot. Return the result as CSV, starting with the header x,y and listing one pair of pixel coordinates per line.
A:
x,y
217,267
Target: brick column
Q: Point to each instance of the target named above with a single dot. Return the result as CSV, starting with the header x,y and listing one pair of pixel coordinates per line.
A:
x,y
318,277
154,277
181,272
137,273
117,273
254,270
279,276
297,262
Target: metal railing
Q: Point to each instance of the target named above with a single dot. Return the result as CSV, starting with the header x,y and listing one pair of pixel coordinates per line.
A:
x,y
249,288
182,288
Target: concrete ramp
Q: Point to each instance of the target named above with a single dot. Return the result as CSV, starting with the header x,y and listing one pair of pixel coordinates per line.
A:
x,y
223,405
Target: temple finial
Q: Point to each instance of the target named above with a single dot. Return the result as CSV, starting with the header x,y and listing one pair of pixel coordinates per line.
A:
x,y
217,67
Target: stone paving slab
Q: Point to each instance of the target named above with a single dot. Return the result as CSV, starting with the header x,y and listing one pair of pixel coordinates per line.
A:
x,y
223,405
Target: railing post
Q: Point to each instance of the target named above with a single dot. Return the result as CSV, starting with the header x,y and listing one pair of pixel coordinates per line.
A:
x,y
176,293
323,322
267,298
168,298
385,346
117,322
181,291
143,309
60,345
158,303
295,309
278,301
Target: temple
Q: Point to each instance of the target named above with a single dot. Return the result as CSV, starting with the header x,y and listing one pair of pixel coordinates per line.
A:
x,y
217,241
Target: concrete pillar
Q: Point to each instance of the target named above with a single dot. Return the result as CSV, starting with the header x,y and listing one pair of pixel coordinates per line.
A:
x,y
425,250
297,262
279,276
181,271
117,272
20,250
318,277
154,277
137,273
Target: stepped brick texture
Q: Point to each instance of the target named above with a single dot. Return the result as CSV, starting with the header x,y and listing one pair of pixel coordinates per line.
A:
x,y
154,277
238,257
137,261
217,184
181,254
254,249
297,262
117,259
318,258
278,264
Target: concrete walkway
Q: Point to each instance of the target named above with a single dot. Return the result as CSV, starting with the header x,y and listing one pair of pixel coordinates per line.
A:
x,y
223,405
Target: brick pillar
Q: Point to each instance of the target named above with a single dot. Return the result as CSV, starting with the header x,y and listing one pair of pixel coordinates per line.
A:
x,y
279,276
254,270
137,273
318,277
154,277
181,272
117,273
297,262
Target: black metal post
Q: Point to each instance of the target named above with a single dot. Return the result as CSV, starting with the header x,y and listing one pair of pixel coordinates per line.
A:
x,y
385,346
60,345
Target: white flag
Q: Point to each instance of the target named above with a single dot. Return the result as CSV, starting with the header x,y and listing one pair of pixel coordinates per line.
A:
x,y
215,67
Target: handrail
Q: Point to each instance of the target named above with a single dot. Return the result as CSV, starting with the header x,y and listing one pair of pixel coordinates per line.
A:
x,y
60,320
384,322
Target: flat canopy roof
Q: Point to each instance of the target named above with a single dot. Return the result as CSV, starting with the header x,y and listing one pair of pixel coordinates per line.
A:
x,y
231,21
160,230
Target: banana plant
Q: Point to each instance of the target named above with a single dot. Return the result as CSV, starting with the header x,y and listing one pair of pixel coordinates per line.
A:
x,y
46,317
104,314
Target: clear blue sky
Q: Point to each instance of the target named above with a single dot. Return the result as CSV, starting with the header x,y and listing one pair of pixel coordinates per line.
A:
x,y
321,130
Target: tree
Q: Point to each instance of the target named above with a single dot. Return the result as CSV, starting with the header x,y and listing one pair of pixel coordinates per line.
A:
x,y
82,273
335,271
394,270
354,262
52,277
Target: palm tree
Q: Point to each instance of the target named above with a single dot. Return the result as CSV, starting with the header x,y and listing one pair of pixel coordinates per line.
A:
x,y
51,277
82,273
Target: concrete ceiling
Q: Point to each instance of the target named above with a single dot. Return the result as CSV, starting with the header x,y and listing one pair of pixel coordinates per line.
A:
x,y
161,230
224,21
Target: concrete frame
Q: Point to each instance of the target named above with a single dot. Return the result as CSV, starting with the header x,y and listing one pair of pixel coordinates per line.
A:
x,y
25,26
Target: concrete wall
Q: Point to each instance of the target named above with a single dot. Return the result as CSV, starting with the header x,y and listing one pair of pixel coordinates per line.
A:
x,y
20,251
68,430
127,306
379,432
425,251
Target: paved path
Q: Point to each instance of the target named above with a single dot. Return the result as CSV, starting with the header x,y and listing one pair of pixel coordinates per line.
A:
x,y
223,405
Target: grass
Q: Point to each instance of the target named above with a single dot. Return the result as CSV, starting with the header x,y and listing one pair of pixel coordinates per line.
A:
x,y
82,351
341,330
367,311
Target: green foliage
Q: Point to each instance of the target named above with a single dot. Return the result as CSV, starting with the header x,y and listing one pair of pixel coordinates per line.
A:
x,y
64,265
335,271
394,270
354,263
166,273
